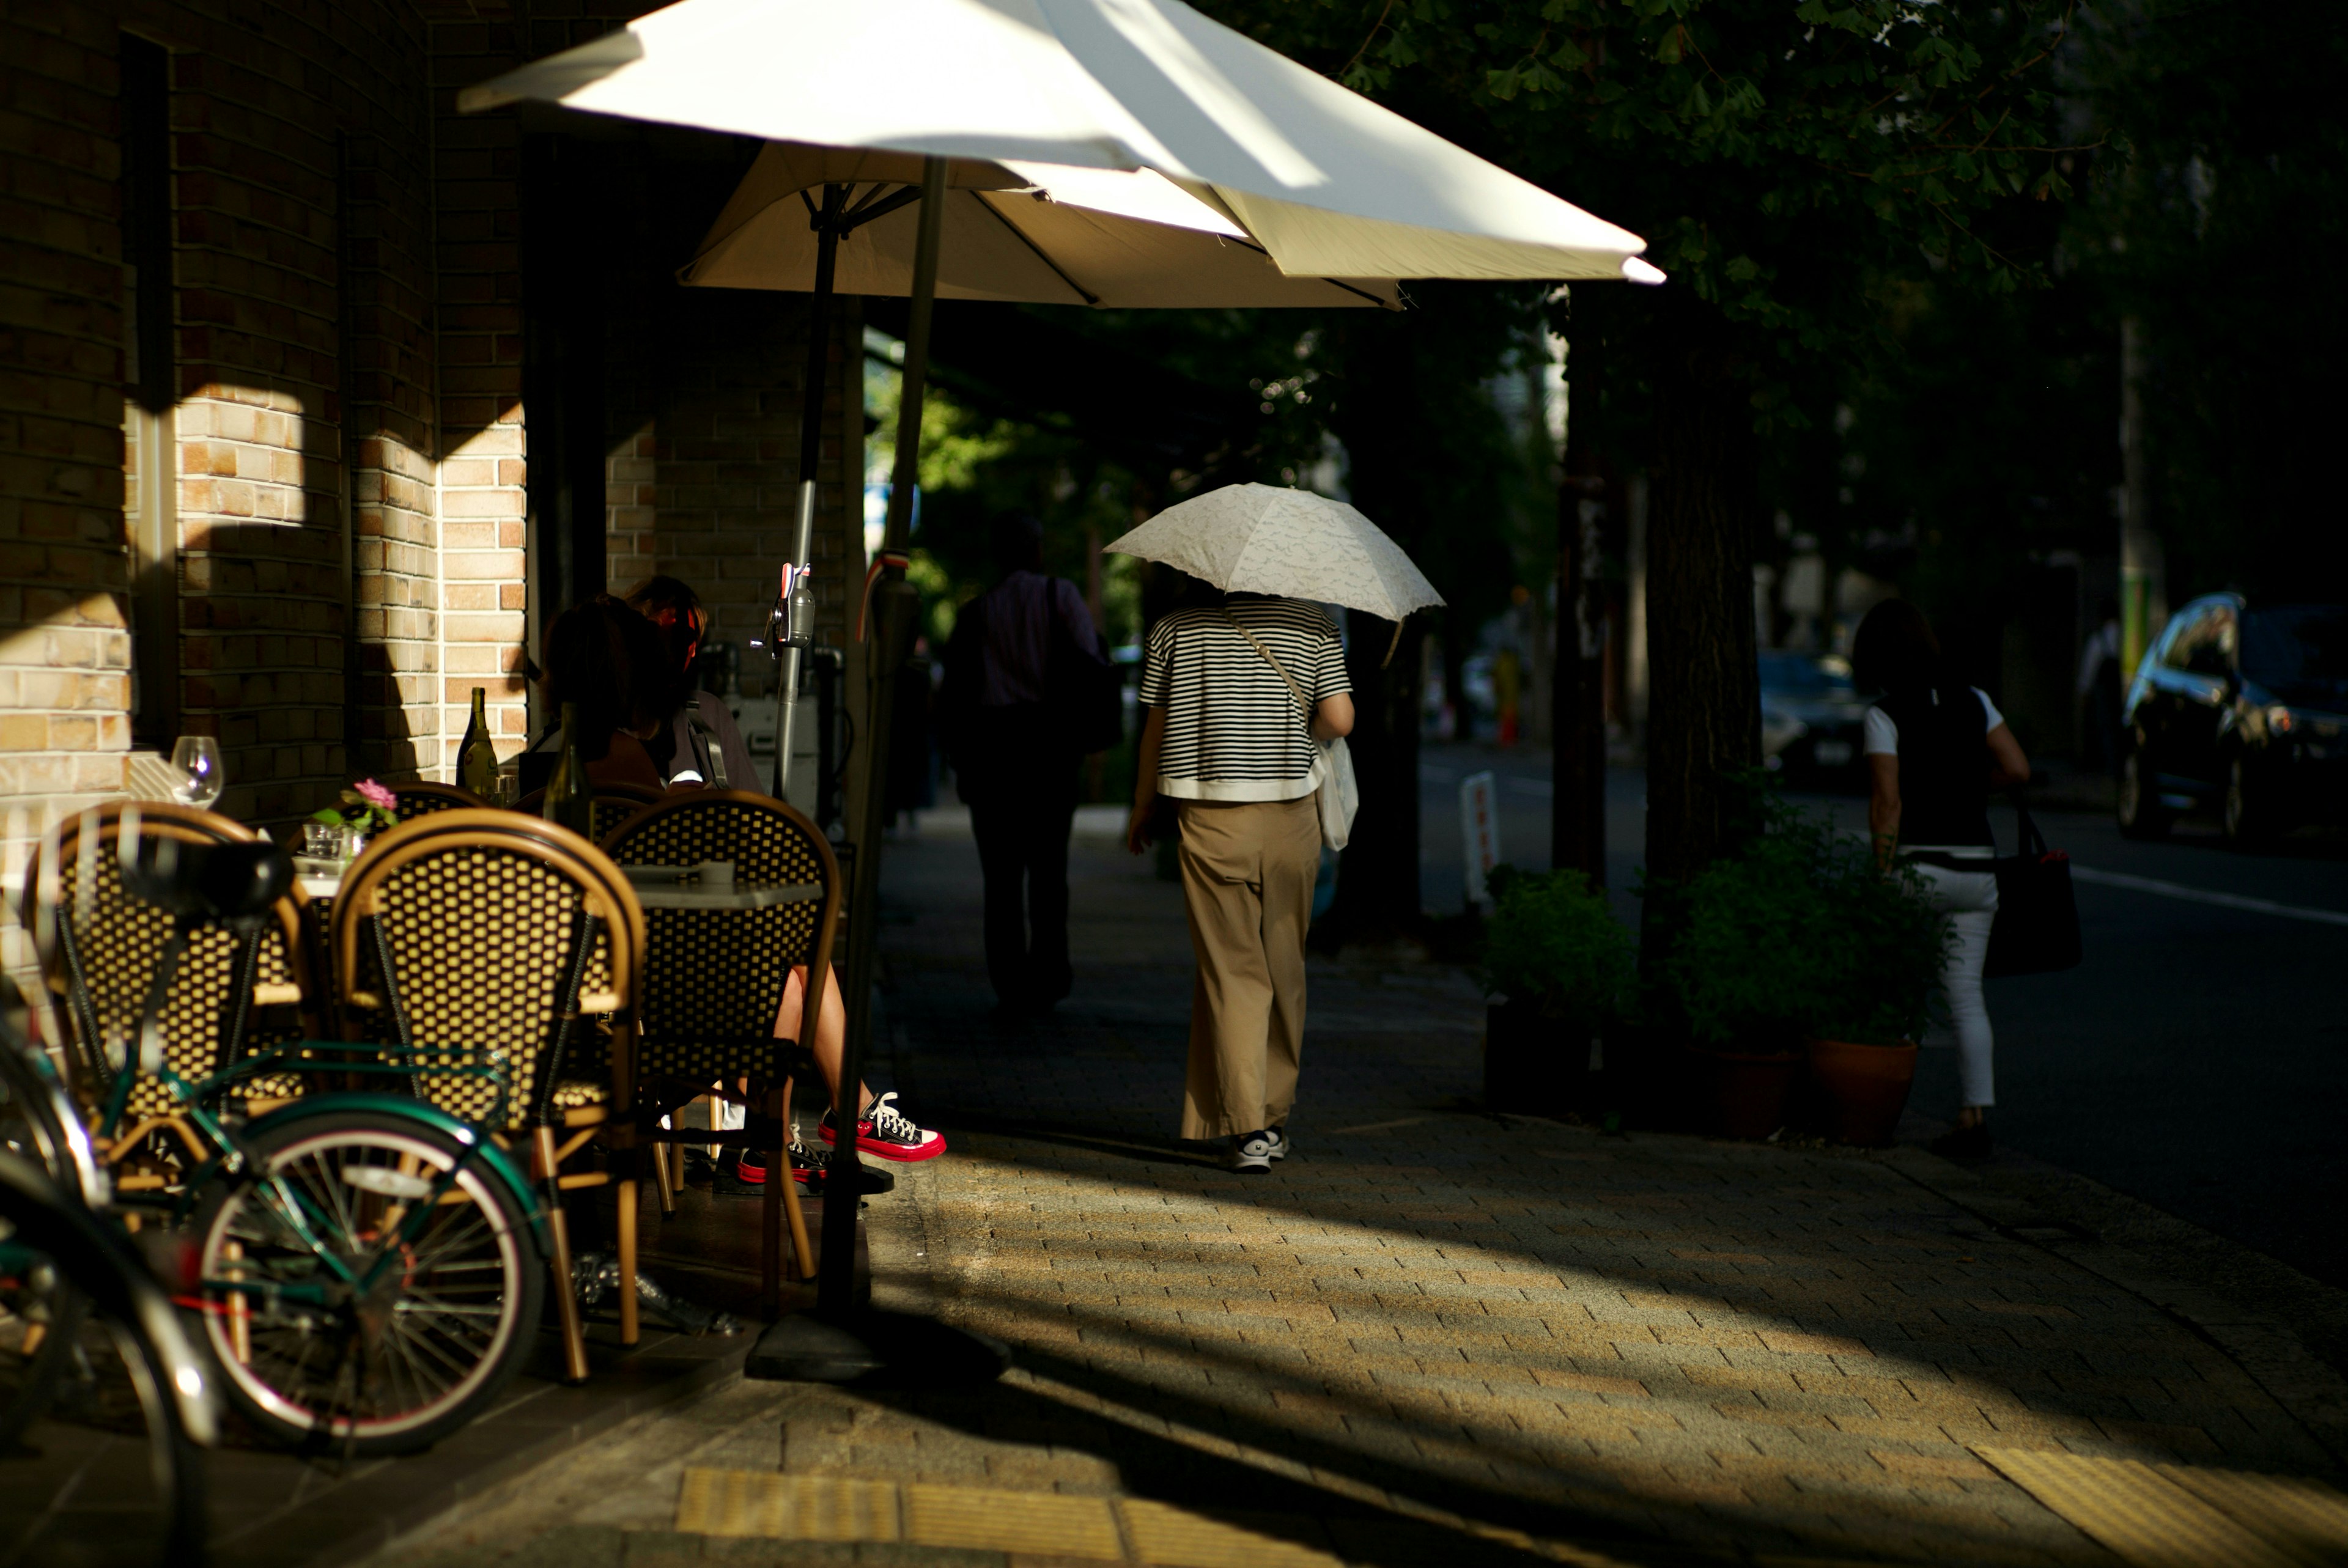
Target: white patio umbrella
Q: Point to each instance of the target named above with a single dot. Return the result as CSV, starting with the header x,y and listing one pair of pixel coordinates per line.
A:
x,y
1036,232
1327,184
1261,538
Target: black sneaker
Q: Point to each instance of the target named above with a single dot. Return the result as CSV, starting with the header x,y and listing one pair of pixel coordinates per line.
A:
x,y
1964,1142
1251,1154
1278,1138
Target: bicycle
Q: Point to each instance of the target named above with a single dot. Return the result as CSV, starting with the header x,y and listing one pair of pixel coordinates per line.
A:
x,y
63,1267
369,1268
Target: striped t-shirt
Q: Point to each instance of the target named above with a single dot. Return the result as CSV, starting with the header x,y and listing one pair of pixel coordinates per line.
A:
x,y
1233,730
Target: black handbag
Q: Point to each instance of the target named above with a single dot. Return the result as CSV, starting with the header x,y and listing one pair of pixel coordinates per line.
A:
x,y
2036,931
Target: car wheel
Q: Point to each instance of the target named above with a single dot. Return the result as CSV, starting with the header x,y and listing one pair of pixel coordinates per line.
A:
x,y
2248,818
2137,803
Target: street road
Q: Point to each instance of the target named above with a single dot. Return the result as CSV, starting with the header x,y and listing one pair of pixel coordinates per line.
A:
x,y
2196,1060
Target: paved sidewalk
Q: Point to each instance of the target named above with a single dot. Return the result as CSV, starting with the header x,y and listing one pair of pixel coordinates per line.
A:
x,y
1429,1331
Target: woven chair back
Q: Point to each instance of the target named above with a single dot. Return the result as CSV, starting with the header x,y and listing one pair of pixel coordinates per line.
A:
x,y
423,799
613,804
715,978
479,938
228,995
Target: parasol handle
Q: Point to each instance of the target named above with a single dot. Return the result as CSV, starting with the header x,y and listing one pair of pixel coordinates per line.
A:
x,y
1394,644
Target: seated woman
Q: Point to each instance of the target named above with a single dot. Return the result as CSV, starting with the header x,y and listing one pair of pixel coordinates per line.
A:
x,y
688,740
607,660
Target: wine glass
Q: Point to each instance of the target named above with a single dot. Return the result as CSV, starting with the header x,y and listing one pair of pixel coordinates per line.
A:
x,y
198,758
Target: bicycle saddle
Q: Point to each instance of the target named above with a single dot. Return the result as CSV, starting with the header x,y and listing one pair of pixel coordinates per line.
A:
x,y
208,883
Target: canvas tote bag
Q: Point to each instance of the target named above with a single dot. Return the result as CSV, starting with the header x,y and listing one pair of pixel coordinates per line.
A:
x,y
1332,763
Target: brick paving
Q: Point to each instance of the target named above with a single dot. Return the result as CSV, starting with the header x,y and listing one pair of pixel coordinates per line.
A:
x,y
1544,1328
1431,1332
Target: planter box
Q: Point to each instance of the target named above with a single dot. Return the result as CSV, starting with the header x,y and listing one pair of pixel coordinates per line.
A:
x,y
1535,1065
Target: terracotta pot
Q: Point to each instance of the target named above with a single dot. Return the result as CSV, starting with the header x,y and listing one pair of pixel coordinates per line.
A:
x,y
1741,1095
1861,1088
1536,1065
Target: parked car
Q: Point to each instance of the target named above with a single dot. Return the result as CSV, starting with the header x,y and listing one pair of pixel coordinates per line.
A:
x,y
2242,707
1812,720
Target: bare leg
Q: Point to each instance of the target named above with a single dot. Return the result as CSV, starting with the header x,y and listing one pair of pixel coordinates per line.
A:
x,y
830,1040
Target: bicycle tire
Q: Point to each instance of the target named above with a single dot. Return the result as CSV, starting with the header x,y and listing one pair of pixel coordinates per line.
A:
x,y
288,1376
98,1267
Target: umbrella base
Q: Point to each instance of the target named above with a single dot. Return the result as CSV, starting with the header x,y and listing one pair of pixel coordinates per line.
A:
x,y
875,1348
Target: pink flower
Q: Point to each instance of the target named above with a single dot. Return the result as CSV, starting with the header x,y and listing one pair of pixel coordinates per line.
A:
x,y
375,794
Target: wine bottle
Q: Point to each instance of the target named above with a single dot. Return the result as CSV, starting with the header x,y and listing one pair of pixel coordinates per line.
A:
x,y
570,799
476,754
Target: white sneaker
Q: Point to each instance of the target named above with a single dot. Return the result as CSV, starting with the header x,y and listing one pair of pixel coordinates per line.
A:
x,y
1253,1154
1279,1140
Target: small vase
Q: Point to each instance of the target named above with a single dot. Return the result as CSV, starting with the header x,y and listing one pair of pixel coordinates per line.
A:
x,y
1861,1090
352,841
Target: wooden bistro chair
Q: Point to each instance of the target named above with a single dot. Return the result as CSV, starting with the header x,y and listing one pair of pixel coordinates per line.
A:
x,y
715,978
422,799
486,938
233,995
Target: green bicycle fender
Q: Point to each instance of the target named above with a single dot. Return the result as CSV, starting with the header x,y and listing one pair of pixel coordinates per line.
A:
x,y
501,1164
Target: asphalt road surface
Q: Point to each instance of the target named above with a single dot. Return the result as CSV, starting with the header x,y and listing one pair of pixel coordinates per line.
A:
x,y
2196,1060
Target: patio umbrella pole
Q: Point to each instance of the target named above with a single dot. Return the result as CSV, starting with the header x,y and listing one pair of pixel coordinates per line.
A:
x,y
789,635
843,1341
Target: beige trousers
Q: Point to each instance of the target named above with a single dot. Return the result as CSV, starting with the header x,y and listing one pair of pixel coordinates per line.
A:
x,y
1247,881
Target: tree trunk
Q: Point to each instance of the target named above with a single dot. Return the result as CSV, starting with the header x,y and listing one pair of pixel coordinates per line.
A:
x,y
1578,804
1704,713
1378,883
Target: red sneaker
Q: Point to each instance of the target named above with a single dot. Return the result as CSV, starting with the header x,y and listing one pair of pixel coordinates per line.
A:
x,y
886,1131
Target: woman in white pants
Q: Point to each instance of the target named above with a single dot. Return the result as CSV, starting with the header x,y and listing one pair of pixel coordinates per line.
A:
x,y
1935,749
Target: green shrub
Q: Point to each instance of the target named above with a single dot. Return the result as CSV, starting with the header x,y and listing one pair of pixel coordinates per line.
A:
x,y
1800,934
1554,941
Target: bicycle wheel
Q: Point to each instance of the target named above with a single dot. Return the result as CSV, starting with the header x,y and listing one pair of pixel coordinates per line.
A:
x,y
113,1457
419,1356
40,1322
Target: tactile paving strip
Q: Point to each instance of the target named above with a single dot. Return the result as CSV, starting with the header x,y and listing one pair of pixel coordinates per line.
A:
x,y
739,1502
2180,1516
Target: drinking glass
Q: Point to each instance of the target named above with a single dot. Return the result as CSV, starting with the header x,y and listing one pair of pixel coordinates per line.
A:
x,y
198,758
321,840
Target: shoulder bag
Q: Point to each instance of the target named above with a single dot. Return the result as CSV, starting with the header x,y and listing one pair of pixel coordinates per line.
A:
x,y
2036,929
1333,762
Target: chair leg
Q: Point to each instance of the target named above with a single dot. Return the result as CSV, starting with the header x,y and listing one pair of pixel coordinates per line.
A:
x,y
667,1176
629,1164
802,1255
779,1182
566,1298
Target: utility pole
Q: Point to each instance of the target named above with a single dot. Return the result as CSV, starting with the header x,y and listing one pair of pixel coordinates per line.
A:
x,y
2144,586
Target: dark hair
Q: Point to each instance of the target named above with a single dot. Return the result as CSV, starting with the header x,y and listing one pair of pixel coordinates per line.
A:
x,y
1018,540
1895,650
599,655
674,611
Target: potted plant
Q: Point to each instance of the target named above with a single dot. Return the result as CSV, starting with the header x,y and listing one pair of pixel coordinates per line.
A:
x,y
1559,965
366,808
1876,982
1740,979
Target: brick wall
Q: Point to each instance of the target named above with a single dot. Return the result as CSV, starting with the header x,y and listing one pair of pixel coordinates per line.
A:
x,y
728,461
65,652
350,439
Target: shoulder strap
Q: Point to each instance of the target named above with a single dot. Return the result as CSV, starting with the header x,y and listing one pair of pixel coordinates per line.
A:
x,y
710,743
1278,668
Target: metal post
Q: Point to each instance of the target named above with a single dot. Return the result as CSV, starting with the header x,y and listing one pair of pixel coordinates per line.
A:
x,y
790,638
893,609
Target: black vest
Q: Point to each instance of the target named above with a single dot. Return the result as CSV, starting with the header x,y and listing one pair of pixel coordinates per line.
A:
x,y
1943,766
